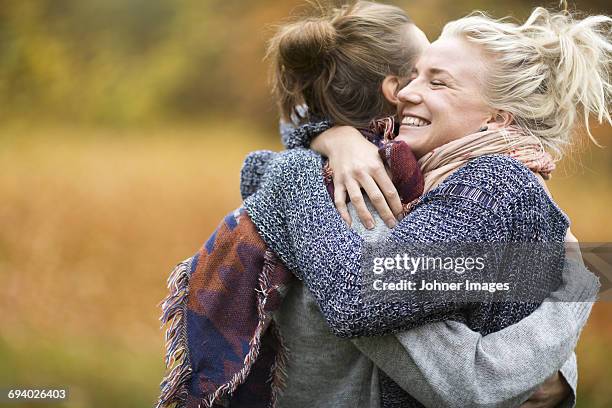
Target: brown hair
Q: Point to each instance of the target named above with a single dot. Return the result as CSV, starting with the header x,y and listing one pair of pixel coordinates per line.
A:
x,y
335,63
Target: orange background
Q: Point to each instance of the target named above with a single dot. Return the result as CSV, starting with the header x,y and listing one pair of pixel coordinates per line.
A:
x,y
124,125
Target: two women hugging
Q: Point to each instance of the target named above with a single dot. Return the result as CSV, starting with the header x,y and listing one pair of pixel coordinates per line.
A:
x,y
270,312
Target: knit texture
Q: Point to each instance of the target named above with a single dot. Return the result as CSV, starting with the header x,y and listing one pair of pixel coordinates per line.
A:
x,y
301,136
551,329
491,199
224,297
253,169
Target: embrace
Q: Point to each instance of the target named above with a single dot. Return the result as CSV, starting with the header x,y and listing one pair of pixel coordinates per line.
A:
x,y
451,142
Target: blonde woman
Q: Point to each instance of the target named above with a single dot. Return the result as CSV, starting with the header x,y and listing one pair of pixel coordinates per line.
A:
x,y
482,103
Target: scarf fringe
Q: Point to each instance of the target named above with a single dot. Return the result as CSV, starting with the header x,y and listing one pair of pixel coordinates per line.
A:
x,y
174,389
278,374
174,385
278,371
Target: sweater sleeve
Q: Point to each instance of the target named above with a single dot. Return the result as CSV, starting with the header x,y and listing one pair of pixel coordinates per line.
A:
x,y
297,219
253,169
300,136
500,369
256,163
569,371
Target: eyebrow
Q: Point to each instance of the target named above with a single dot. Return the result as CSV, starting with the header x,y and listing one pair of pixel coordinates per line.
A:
x,y
435,71
439,71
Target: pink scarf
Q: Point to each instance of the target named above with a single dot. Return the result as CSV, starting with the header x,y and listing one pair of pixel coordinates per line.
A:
x,y
441,162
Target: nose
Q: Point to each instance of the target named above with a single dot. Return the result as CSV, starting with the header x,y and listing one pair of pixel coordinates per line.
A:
x,y
410,94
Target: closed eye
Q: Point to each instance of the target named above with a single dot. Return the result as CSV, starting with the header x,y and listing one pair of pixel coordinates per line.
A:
x,y
437,82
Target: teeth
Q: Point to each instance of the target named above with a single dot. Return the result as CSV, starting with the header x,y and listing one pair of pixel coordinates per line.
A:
x,y
414,121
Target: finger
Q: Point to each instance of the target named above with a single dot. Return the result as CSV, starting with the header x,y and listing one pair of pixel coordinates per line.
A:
x,y
389,191
340,202
354,193
378,200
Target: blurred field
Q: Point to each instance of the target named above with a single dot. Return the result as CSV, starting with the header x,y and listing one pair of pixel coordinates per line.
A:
x,y
101,194
93,221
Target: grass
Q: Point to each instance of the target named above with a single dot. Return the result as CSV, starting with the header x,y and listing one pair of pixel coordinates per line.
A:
x,y
96,371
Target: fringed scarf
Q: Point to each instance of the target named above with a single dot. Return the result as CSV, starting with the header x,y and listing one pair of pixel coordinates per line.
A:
x,y
222,346
221,342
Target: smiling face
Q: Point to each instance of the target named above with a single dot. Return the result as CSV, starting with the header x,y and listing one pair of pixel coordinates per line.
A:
x,y
443,101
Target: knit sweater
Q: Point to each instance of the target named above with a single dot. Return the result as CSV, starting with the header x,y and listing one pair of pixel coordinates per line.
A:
x,y
253,170
490,199
486,368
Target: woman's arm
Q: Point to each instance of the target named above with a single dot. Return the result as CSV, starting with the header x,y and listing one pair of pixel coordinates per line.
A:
x,y
499,369
293,136
356,165
569,371
483,354
421,356
296,218
253,169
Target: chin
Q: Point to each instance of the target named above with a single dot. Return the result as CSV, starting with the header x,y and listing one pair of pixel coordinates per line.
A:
x,y
415,138
412,135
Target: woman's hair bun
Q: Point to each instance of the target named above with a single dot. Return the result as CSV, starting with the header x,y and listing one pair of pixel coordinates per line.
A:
x,y
335,60
304,44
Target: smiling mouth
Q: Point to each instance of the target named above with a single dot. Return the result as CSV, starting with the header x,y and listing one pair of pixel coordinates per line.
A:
x,y
414,122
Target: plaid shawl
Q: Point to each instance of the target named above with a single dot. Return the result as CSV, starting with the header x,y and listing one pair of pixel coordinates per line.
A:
x,y
222,345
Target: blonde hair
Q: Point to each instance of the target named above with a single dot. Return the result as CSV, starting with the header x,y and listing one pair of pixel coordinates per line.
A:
x,y
546,71
335,63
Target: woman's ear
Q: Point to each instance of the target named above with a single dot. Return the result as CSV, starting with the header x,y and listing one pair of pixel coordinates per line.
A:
x,y
390,88
500,119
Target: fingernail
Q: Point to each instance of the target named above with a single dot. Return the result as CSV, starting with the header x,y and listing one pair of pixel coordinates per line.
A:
x,y
392,223
370,224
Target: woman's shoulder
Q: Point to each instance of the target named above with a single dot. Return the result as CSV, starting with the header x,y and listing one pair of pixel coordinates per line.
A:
x,y
496,171
294,161
499,181
497,174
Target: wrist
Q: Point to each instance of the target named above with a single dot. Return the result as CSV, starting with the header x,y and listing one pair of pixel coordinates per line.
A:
x,y
320,144
303,135
336,139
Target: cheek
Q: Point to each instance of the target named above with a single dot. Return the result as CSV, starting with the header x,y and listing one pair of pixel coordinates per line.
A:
x,y
462,117
449,121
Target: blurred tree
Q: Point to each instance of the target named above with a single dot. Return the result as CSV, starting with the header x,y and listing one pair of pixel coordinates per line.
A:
x,y
127,61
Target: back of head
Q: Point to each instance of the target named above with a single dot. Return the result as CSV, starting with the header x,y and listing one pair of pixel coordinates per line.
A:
x,y
548,73
335,63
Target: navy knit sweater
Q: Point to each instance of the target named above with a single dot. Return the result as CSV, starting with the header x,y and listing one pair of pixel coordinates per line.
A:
x,y
490,199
